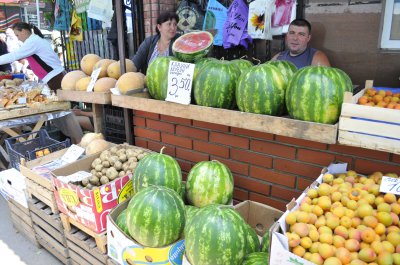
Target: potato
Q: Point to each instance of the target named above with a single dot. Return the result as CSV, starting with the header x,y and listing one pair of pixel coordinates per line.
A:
x,y
111,173
89,186
132,166
106,164
140,156
96,162
132,159
123,158
103,171
93,172
104,180
130,152
99,167
94,180
85,182
113,159
122,174
105,155
114,149
128,172
139,151
99,175
118,165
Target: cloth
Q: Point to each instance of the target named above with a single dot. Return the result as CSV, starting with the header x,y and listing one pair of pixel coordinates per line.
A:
x,y
260,14
55,82
301,60
43,61
142,57
3,50
235,24
214,20
156,53
283,11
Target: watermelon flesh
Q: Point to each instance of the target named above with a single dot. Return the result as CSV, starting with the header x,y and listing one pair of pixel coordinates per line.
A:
x,y
192,46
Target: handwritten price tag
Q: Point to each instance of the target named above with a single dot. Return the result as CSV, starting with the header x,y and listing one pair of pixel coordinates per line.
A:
x,y
390,185
180,77
72,154
93,79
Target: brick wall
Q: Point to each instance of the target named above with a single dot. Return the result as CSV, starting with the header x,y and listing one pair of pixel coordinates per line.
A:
x,y
152,9
268,168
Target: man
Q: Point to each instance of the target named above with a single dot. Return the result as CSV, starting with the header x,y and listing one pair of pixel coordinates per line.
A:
x,y
298,50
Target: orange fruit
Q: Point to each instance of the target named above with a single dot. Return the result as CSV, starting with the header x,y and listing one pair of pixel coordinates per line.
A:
x,y
363,100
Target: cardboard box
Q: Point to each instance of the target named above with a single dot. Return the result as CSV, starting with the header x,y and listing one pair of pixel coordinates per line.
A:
x,y
125,250
89,207
12,186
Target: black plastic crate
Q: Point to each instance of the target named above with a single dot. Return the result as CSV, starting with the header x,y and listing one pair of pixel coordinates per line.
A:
x,y
31,149
114,118
115,136
54,132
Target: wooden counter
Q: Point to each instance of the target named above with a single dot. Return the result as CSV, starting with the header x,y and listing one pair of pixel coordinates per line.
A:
x,y
13,113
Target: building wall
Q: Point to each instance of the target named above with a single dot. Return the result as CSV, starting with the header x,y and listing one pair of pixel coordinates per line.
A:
x,y
267,168
152,9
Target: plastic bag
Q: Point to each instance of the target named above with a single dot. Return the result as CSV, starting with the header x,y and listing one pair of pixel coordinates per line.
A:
x,y
75,32
62,15
191,16
283,11
214,20
235,25
101,10
260,15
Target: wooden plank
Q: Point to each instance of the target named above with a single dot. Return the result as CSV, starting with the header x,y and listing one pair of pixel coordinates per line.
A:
x,y
83,96
45,213
77,259
41,233
44,108
13,203
370,127
21,215
24,229
87,255
57,235
318,132
368,112
98,114
52,250
42,194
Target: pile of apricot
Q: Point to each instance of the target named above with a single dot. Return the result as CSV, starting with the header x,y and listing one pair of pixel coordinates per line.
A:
x,y
380,98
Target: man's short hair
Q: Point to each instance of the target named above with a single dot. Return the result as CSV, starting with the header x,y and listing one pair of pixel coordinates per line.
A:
x,y
300,22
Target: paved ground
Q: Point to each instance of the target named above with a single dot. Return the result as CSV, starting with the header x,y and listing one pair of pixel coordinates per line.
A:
x,y
15,249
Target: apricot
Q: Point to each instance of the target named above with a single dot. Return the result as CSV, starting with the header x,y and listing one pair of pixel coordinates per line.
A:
x,y
367,255
364,210
326,250
394,238
382,93
368,235
299,251
389,198
385,258
316,258
371,91
384,218
352,245
332,261
377,98
396,258
291,218
301,229
363,100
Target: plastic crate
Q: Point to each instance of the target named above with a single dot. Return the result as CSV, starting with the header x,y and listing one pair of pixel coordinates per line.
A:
x,y
114,118
115,136
31,149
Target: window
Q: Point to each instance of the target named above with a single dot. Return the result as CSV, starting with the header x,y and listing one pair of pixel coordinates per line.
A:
x,y
390,37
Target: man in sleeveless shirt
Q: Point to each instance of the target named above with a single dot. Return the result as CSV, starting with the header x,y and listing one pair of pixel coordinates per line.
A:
x,y
298,50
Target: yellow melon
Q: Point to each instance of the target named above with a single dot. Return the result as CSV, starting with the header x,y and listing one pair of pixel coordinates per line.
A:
x,y
114,69
130,81
88,61
103,63
82,83
96,146
69,80
104,84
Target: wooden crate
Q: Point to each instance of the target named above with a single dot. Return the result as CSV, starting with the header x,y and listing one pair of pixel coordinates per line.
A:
x,y
369,127
51,244
37,191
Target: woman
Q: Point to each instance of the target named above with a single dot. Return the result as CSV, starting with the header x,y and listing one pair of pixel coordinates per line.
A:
x,y
157,45
43,61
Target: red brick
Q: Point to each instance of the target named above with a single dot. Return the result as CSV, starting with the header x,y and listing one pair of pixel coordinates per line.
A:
x,y
284,194
273,176
191,155
252,134
273,149
146,114
396,158
240,195
192,132
368,166
315,157
211,149
252,185
278,204
251,158
294,167
230,140
145,133
303,183
235,167
139,121
300,142
176,120
360,152
140,142
176,140
160,126
211,126
156,146
184,175
185,165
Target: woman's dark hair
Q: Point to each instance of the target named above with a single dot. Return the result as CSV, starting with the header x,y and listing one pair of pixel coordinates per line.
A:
x,y
300,22
29,27
166,16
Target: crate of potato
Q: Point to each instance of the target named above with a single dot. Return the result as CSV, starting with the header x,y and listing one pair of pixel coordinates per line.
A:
x,y
368,121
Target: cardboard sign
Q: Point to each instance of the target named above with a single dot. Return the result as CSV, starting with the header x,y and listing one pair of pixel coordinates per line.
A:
x,y
93,79
180,77
72,154
390,185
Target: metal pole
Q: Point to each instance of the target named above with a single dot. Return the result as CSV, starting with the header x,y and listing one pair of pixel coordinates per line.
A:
x,y
38,14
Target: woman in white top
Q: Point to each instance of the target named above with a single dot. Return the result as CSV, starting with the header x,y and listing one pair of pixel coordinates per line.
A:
x,y
42,59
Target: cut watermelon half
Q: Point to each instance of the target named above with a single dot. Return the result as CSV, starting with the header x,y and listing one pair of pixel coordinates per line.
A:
x,y
192,46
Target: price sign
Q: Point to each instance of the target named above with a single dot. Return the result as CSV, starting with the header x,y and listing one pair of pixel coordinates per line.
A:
x,y
180,77
390,185
72,154
93,79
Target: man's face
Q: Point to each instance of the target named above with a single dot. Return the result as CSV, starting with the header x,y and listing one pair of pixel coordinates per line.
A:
x,y
297,39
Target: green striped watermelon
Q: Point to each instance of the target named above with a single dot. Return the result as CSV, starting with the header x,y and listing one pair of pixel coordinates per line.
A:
x,y
156,216
253,243
190,211
199,65
315,93
265,242
121,222
209,182
157,169
216,236
192,46
256,258
157,77
242,64
261,90
286,68
215,85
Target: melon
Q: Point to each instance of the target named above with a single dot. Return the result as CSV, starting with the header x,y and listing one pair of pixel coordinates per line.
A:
x,y
89,137
88,61
69,80
114,69
130,81
104,84
82,83
192,46
96,146
103,64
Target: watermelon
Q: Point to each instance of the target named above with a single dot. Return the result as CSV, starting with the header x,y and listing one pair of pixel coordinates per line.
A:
x,y
265,242
121,222
286,68
192,46
157,169
215,85
190,211
209,182
157,77
200,63
256,258
216,236
156,216
253,243
261,90
315,93
242,64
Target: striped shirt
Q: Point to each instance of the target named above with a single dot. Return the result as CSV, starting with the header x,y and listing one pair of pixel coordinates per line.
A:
x,y
155,53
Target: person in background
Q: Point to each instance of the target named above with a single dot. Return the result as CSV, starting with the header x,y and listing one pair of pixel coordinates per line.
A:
x,y
13,44
298,50
4,50
159,44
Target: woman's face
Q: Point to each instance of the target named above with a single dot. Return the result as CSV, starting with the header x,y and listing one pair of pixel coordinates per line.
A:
x,y
168,29
22,34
